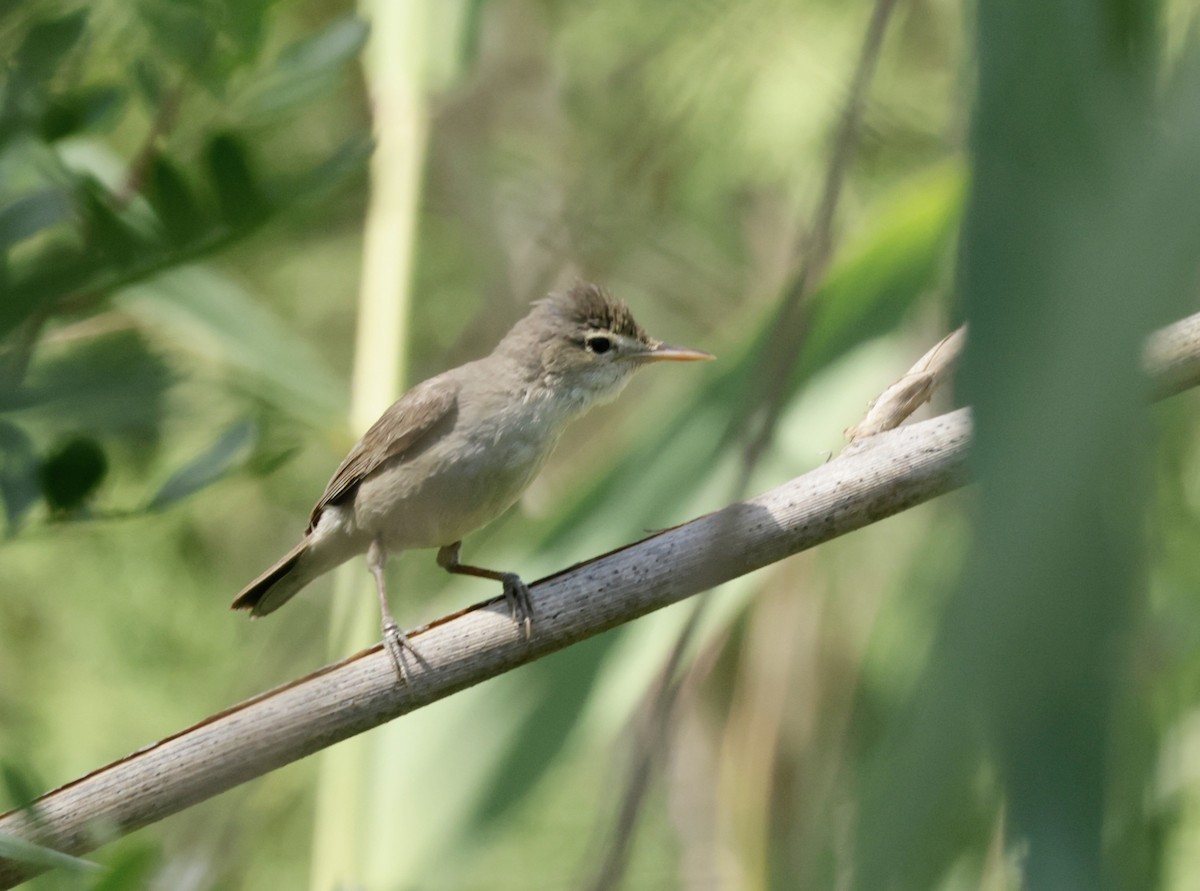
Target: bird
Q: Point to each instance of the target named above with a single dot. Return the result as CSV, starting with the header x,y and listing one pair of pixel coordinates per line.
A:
x,y
457,450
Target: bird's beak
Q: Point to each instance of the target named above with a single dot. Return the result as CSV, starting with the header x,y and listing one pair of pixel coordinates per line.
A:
x,y
657,351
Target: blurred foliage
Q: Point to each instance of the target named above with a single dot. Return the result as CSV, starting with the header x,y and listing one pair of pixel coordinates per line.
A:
x,y
1063,275
181,206
79,223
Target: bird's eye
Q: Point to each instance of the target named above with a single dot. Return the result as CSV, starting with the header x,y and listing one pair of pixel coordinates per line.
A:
x,y
598,345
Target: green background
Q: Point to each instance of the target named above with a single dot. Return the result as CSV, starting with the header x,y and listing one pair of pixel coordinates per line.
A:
x,y
994,691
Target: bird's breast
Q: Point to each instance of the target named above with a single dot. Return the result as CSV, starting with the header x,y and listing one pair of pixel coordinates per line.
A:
x,y
462,482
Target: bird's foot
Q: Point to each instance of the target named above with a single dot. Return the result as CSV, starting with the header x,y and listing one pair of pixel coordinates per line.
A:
x,y
396,642
520,605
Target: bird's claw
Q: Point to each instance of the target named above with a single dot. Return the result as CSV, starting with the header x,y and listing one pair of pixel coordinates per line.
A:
x,y
520,604
396,642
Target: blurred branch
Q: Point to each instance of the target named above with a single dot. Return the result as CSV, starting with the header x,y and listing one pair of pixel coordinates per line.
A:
x,y
393,69
343,848
844,143
161,126
874,478
1172,357
792,318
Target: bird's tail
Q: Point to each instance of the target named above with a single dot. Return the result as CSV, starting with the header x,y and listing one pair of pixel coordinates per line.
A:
x,y
277,585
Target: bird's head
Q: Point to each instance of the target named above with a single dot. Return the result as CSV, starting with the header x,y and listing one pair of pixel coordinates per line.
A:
x,y
587,344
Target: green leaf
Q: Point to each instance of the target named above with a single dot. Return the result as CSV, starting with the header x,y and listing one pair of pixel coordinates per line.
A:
x,y
27,73
308,67
230,451
33,213
149,80
265,462
244,24
57,271
349,158
167,192
70,474
47,43
472,33
112,384
83,109
18,474
282,94
107,234
130,869
213,316
878,276
239,197
21,785
180,30
26,852
341,40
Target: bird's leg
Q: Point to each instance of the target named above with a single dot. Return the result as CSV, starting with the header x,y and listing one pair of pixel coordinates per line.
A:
x,y
394,639
516,593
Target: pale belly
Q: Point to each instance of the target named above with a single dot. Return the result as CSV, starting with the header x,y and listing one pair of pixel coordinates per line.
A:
x,y
446,493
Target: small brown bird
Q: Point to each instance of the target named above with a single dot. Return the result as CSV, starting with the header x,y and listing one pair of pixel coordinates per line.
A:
x,y
456,451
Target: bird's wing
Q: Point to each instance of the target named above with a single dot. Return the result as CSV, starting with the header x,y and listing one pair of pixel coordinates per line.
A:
x,y
416,419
